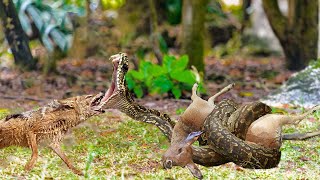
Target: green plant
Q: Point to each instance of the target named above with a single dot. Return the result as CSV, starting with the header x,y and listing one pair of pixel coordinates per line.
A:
x,y
50,19
112,4
244,44
172,77
173,11
180,111
315,64
4,112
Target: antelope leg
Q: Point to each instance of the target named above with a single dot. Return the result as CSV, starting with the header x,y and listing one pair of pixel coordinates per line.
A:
x,y
300,136
222,91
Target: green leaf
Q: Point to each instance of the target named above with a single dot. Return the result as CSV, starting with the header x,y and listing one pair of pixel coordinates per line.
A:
x,y
25,23
163,45
145,68
130,82
140,53
201,88
4,112
180,64
157,70
185,76
176,91
173,11
138,91
137,75
167,62
162,83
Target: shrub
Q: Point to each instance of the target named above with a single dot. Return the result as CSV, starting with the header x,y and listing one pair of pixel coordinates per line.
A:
x,y
171,77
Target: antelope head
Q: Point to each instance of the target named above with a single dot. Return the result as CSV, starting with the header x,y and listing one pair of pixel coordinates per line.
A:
x,y
180,154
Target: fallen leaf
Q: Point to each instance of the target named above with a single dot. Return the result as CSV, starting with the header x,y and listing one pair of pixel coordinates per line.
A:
x,y
305,158
312,120
246,94
107,132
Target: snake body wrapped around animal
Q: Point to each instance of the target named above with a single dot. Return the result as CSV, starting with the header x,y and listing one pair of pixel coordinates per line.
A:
x,y
123,101
225,127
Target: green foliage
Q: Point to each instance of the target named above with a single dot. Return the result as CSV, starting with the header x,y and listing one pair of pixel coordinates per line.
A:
x,y
172,77
315,64
132,150
245,44
4,112
174,11
163,45
180,111
50,19
92,154
269,74
214,8
112,4
231,47
235,10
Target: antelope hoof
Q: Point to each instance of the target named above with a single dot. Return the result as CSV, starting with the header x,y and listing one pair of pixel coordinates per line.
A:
x,y
195,87
76,171
28,168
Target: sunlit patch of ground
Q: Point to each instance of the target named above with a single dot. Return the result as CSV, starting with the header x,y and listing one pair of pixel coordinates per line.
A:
x,y
113,146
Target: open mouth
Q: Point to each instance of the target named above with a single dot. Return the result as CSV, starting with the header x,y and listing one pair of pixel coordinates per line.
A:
x,y
114,85
101,100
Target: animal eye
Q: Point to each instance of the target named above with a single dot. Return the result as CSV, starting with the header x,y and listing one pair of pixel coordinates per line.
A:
x,y
180,150
125,67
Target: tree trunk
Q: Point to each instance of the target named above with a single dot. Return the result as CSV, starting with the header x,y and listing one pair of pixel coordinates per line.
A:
x,y
318,29
193,18
297,33
17,39
245,14
154,31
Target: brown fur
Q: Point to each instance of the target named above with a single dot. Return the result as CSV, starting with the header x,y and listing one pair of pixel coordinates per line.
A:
x,y
180,151
266,131
49,123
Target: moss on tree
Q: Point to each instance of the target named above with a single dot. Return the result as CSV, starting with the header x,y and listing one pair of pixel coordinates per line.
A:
x,y
193,18
297,33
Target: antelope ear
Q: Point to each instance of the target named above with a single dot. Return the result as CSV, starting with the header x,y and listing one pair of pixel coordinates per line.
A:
x,y
194,170
192,137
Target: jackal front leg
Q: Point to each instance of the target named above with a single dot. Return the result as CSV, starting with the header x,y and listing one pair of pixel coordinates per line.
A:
x,y
32,142
55,146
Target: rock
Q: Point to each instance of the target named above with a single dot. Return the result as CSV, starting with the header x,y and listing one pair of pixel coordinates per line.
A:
x,y
302,89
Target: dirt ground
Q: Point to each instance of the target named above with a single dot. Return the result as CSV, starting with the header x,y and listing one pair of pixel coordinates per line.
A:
x,y
254,78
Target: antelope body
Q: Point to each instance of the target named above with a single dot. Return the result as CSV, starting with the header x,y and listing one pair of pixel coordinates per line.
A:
x,y
266,131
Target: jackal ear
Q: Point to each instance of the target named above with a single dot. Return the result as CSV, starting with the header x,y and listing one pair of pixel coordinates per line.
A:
x,y
192,137
95,100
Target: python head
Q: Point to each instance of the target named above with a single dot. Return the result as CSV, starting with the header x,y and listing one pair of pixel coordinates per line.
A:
x,y
117,86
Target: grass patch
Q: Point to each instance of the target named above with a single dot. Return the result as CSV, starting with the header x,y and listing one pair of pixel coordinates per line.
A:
x,y
132,150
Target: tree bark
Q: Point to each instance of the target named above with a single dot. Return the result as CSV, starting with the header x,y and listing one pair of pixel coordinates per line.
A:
x,y
246,16
193,31
17,39
80,37
297,33
154,31
318,29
